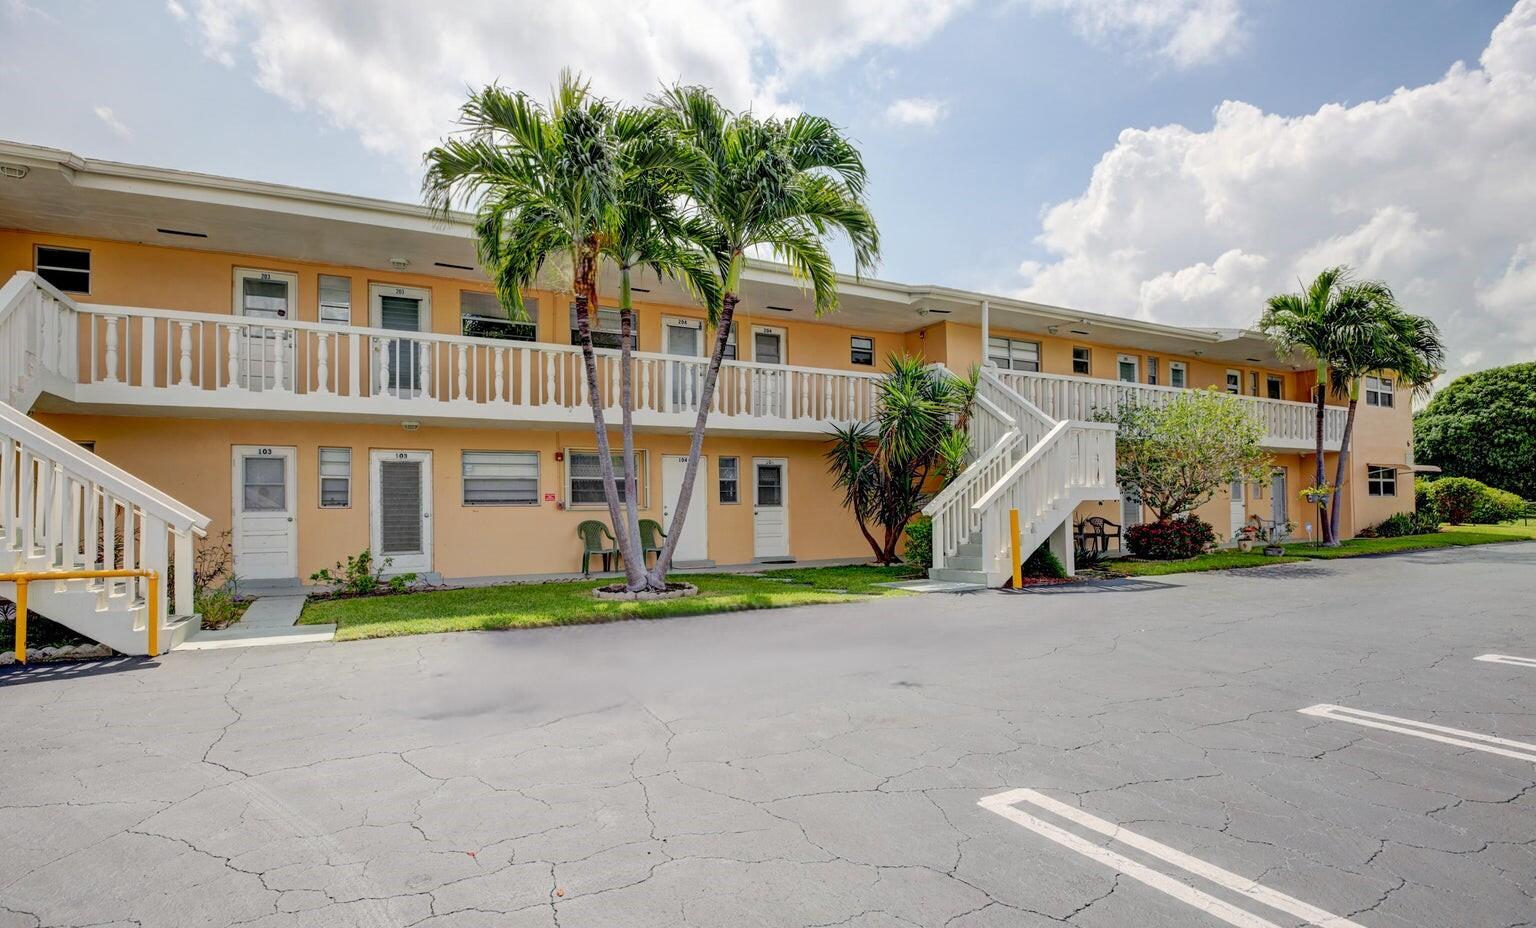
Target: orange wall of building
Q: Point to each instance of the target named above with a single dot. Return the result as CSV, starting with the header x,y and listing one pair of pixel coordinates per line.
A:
x,y
192,460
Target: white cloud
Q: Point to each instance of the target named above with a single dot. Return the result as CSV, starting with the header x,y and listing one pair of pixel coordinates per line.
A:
x,y
1430,188
395,71
916,111
109,118
1184,32
175,9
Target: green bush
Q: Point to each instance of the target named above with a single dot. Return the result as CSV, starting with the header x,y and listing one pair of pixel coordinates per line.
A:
x,y
218,607
1043,563
1483,425
1424,505
1460,500
1393,526
359,577
1173,540
919,550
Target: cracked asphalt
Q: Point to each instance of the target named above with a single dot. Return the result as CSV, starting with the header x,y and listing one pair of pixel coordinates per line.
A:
x,y
807,767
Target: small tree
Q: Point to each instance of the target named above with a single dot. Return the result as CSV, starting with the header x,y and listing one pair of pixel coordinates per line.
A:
x,y
1483,425
888,468
1176,456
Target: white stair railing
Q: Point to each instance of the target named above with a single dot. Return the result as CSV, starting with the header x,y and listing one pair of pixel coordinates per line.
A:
x,y
38,338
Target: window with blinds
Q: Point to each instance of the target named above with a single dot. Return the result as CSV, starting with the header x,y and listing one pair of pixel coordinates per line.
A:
x,y
335,299
584,479
605,329
335,478
501,478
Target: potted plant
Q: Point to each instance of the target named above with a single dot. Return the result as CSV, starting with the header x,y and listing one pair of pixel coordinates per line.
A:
x,y
1277,532
1246,536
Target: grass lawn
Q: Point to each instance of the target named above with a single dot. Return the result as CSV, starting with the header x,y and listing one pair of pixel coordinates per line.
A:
x,y
1450,537
536,605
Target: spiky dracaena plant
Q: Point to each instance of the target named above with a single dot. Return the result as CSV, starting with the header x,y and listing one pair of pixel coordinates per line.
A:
x,y
778,186
889,467
578,180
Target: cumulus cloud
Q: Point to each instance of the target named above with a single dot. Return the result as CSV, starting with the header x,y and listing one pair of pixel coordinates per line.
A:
x,y
1430,188
1184,33
109,118
916,111
395,71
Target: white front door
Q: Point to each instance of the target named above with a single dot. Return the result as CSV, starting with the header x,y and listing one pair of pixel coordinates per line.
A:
x,y
401,511
770,388
266,537
684,338
694,544
1239,507
1279,496
409,361
770,508
265,351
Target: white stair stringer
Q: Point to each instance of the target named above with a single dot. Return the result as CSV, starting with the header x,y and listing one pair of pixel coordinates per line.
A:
x,y
63,508
1042,467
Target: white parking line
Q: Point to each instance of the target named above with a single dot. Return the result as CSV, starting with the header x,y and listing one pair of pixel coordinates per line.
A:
x,y
1508,659
1459,737
1004,804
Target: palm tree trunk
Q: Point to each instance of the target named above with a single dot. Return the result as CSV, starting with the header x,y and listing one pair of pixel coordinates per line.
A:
x,y
1342,467
634,572
586,295
706,397
1319,391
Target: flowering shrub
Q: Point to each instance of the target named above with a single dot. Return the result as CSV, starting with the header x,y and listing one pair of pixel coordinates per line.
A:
x,y
1171,540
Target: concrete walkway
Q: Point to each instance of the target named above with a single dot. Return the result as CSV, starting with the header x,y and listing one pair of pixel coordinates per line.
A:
x,y
268,620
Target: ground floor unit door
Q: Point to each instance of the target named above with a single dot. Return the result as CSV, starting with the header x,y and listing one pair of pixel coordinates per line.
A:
x,y
770,508
400,510
266,533
693,546
1239,506
1279,497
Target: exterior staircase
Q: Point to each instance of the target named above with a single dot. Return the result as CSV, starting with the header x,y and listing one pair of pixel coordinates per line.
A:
x,y
1024,460
63,508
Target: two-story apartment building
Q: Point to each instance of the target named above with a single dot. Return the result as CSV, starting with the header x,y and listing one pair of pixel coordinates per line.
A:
x,y
319,373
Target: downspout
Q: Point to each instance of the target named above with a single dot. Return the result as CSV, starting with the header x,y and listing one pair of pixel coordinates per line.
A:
x,y
986,328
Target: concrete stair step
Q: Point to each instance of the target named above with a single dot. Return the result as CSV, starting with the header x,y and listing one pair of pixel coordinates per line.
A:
x,y
951,575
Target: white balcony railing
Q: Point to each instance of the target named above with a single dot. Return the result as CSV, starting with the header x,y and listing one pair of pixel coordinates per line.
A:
x,y
1287,424
165,357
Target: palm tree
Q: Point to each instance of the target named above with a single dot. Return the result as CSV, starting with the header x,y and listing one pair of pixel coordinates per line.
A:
x,y
1330,321
1401,344
917,442
571,182
769,185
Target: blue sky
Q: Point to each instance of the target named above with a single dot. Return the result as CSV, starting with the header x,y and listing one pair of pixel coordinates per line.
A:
x,y
1064,150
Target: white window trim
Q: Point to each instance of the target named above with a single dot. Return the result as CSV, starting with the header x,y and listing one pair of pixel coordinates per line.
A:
x,y
1134,362
1154,371
1378,481
538,474
1381,387
870,349
1273,379
1087,359
642,479
1008,343
377,292
1235,389
321,477
737,480
1183,370
682,322
320,304
256,273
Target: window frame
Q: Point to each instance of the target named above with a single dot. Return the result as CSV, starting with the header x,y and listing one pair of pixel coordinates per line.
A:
x,y
1178,370
1274,387
321,305
1234,382
1379,389
1134,361
1253,383
735,480
464,479
1086,360
322,476
1009,343
616,331
1153,372
38,267
855,352
642,478
1379,480
530,305
243,273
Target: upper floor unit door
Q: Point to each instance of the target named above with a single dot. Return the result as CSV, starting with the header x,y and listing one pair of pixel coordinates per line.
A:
x,y
401,366
770,388
263,350
685,339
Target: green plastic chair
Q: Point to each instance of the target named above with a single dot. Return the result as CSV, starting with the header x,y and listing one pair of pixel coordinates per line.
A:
x,y
651,537
596,539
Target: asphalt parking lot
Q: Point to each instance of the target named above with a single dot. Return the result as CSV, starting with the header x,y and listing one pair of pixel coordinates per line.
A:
x,y
1309,744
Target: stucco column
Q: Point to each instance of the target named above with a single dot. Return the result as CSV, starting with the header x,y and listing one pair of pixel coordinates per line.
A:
x,y
1061,545
986,328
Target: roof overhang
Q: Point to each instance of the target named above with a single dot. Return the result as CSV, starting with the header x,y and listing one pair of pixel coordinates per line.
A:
x,y
65,194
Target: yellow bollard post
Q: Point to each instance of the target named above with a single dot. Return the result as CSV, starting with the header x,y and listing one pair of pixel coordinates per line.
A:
x,y
21,621
154,614
1013,545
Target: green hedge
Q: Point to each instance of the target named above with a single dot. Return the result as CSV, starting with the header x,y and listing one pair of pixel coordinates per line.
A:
x,y
1462,500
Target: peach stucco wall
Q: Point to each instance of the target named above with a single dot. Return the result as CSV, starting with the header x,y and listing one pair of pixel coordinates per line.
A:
x,y
191,459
